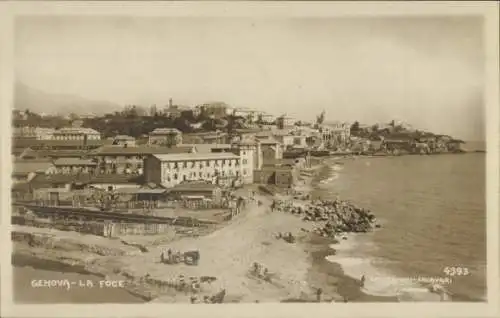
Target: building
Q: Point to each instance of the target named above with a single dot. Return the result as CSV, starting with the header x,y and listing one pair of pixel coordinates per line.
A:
x,y
76,133
122,140
266,119
22,143
38,133
455,145
166,136
176,111
197,189
284,137
29,153
335,133
153,110
248,114
196,111
280,176
169,170
244,149
215,110
26,170
284,121
271,149
75,166
82,181
211,137
129,160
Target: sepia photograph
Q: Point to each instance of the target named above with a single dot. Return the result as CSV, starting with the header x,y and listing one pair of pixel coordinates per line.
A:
x,y
231,158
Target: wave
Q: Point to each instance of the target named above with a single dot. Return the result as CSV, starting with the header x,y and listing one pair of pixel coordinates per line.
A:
x,y
331,174
329,180
378,281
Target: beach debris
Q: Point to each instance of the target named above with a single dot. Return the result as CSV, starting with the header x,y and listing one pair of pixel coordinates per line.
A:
x,y
332,216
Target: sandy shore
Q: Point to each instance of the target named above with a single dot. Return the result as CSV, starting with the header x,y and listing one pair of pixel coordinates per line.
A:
x,y
227,253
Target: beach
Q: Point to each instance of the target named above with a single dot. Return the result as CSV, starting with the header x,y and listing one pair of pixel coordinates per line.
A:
x,y
228,252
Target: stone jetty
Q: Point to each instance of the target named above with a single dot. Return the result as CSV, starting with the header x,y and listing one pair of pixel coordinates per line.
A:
x,y
333,217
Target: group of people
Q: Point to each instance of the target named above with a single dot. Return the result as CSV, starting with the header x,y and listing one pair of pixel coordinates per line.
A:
x,y
260,271
216,299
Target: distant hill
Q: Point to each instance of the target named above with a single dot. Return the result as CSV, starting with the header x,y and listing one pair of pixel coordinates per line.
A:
x,y
26,97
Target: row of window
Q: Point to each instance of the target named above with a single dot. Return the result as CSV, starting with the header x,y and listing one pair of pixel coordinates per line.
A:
x,y
202,164
200,175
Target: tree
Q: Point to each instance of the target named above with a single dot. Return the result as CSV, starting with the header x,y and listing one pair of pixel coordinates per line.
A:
x,y
249,118
321,118
355,127
260,119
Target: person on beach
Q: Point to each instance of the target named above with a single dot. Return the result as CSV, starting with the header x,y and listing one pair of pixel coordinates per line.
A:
x,y
194,299
319,293
363,281
162,257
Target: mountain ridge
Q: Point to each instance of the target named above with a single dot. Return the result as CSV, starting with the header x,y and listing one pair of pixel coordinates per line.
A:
x,y
26,97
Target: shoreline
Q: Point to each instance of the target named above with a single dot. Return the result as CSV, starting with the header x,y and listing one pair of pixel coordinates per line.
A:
x,y
148,286
383,281
147,280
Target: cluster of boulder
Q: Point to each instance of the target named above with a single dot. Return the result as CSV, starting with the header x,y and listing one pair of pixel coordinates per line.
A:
x,y
333,216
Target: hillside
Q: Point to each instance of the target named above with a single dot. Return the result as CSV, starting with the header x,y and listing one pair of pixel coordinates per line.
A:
x,y
38,101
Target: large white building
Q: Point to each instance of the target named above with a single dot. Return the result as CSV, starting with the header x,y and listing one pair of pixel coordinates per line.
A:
x,y
172,169
245,149
76,133
337,133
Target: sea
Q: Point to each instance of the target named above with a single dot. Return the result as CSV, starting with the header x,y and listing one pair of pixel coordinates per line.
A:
x,y
432,212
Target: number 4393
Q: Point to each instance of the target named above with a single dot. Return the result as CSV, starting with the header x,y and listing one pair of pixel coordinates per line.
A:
x,y
456,271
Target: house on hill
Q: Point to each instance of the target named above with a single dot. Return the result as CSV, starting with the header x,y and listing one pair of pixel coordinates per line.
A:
x,y
166,136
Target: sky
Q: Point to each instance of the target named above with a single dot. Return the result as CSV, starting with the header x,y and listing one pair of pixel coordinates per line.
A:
x,y
426,71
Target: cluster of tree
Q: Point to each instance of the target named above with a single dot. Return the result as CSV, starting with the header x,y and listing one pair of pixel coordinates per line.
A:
x,y
133,121
393,130
28,118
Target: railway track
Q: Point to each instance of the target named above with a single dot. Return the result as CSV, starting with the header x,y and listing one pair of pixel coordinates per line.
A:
x,y
88,214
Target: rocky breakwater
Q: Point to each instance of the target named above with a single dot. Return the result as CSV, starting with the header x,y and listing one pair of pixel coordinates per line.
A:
x,y
333,217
